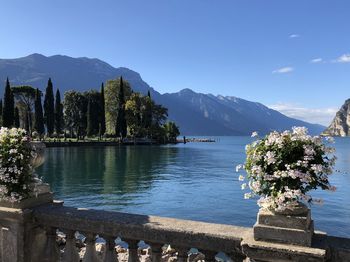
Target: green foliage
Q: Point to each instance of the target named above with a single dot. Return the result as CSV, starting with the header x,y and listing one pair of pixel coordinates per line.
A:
x,y
121,126
0,112
75,112
16,118
93,112
283,167
15,164
59,121
112,105
39,118
102,126
49,108
25,99
9,106
133,110
172,131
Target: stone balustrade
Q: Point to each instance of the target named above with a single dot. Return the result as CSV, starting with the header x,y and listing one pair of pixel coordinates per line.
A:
x,y
182,235
30,232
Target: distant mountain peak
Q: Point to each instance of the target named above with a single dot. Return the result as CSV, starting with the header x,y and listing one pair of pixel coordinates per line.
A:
x,y
340,125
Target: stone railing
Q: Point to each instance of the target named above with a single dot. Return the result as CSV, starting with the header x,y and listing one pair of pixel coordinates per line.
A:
x,y
40,229
181,235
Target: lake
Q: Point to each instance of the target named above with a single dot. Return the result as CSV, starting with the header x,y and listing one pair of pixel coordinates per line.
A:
x,y
194,181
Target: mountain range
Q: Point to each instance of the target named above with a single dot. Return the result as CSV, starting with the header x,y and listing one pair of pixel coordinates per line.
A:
x,y
195,113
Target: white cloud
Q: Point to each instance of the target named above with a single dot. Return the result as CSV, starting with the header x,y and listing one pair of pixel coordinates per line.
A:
x,y
283,70
323,116
294,36
343,59
316,60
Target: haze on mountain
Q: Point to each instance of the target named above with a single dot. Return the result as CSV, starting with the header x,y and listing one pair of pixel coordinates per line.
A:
x,y
195,113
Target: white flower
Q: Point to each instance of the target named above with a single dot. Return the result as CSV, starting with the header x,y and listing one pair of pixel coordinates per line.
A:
x,y
241,178
254,134
269,166
270,157
239,167
247,195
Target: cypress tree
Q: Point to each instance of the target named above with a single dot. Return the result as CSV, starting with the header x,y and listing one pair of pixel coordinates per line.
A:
x,y
102,112
39,118
149,94
0,110
58,113
121,127
16,118
49,108
9,106
89,115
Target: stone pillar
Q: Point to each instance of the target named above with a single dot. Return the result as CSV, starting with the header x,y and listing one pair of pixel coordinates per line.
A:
x,y
17,228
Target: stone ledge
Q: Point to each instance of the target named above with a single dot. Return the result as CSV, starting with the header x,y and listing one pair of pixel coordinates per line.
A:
x,y
41,199
276,252
284,235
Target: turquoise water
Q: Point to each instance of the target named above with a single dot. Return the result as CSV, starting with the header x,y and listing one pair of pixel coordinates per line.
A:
x,y
194,181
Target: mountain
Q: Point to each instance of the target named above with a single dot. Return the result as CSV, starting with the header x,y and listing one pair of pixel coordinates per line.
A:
x,y
195,113
340,125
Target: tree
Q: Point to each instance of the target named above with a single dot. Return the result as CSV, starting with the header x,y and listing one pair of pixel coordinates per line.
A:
x,y
75,112
49,108
16,118
171,131
39,118
134,115
9,106
89,128
111,97
93,112
102,126
0,112
121,127
59,121
25,100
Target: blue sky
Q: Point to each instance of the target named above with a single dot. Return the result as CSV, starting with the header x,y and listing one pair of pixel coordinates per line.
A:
x,y
291,55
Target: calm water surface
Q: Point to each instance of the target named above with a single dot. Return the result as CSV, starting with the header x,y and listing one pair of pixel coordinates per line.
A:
x,y
194,181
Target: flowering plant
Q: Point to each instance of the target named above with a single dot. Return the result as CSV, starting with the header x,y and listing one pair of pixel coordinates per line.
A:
x,y
16,171
282,167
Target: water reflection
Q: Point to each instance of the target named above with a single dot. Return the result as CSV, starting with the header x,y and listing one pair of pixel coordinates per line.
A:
x,y
116,175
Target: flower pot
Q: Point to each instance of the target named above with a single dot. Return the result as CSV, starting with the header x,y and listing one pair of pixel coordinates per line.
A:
x,y
40,192
291,226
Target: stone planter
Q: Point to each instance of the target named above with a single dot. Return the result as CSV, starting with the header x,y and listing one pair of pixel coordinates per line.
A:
x,y
41,193
292,226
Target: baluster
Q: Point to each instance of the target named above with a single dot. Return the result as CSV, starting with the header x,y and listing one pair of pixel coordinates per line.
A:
x,y
110,253
156,252
133,256
209,255
70,251
51,252
182,254
90,252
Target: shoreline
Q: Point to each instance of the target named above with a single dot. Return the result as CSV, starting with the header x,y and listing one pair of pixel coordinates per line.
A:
x,y
50,144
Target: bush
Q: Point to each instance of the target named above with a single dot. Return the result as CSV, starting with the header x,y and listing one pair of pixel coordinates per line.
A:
x,y
283,167
16,171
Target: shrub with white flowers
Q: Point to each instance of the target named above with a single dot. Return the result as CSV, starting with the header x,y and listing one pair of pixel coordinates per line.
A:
x,y
282,167
16,172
